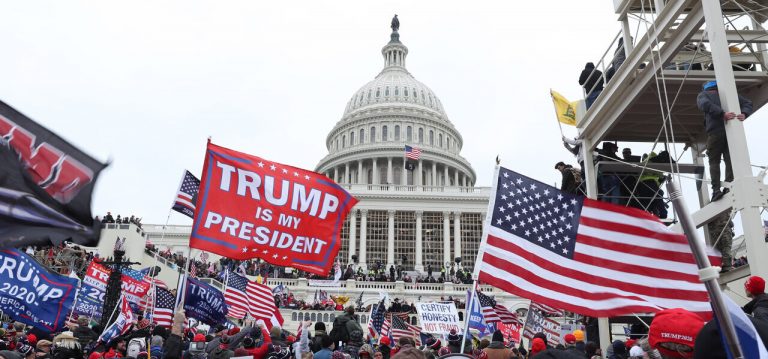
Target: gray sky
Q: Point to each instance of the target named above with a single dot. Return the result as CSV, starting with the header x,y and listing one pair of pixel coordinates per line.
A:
x,y
145,83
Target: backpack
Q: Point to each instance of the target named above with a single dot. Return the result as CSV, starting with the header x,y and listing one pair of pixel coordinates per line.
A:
x,y
576,175
339,332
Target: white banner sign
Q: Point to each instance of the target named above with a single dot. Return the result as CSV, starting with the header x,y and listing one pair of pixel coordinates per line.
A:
x,y
438,318
322,283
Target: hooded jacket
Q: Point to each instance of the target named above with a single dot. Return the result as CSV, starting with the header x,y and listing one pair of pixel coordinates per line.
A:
x,y
708,101
588,82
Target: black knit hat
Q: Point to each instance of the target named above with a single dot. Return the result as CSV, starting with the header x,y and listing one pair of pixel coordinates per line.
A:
x,y
497,336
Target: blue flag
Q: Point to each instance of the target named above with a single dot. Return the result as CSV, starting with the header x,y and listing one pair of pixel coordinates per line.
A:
x,y
476,318
30,294
204,303
751,344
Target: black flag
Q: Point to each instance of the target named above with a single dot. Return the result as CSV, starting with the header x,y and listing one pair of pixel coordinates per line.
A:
x,y
45,186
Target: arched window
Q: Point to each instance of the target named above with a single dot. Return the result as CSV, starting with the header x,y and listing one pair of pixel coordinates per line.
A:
x,y
440,140
314,317
362,136
373,134
369,94
397,91
352,138
421,135
325,317
343,141
337,143
405,90
293,316
397,132
384,133
408,133
378,92
415,94
431,138
386,91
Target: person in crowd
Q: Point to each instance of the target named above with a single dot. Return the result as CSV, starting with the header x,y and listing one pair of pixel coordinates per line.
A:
x,y
754,287
715,117
222,351
578,335
537,346
609,183
592,81
571,178
721,231
316,343
66,346
43,349
673,331
496,349
626,155
327,347
344,325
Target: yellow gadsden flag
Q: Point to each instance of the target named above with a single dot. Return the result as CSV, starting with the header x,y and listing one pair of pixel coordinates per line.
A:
x,y
566,110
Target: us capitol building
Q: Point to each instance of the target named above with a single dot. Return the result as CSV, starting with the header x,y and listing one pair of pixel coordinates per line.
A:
x,y
431,215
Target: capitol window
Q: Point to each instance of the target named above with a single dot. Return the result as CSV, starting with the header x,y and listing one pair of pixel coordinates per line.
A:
x,y
421,135
373,134
405,92
408,134
378,92
440,140
384,133
386,91
397,132
415,94
362,136
343,141
369,94
397,91
431,138
351,138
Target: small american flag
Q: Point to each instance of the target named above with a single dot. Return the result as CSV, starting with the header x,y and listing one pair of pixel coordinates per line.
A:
x,y
585,256
163,313
400,328
385,326
412,153
494,312
376,319
235,297
186,196
547,309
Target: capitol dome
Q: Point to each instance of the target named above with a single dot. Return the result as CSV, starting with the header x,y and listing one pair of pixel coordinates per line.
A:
x,y
390,112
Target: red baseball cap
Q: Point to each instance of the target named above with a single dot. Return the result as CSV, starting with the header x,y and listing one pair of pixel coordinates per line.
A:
x,y
673,332
569,338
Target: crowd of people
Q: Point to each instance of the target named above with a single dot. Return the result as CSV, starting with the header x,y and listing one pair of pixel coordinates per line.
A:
x,y
673,333
108,218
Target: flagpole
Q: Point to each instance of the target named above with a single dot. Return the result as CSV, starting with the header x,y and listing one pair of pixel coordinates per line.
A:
x,y
557,117
708,274
74,303
120,301
467,311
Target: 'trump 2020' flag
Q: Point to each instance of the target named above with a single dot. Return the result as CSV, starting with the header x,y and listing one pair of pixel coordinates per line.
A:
x,y
250,207
31,294
204,303
584,256
186,196
45,186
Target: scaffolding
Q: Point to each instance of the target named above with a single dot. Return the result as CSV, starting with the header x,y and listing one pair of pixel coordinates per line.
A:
x,y
650,97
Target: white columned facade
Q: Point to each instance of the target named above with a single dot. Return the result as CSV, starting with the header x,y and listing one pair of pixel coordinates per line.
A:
x,y
456,234
352,234
390,238
446,180
434,174
363,257
404,175
456,178
360,177
375,172
419,266
389,170
347,175
446,237
336,174
421,180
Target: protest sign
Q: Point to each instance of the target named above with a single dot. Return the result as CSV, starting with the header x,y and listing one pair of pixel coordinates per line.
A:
x,y
30,294
538,323
438,318
90,299
250,207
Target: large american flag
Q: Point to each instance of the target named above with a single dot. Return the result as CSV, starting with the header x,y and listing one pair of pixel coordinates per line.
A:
x,y
494,312
186,196
585,256
412,152
163,313
547,309
244,296
400,328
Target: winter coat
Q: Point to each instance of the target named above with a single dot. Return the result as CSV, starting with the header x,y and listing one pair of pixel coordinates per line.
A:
x,y
172,347
758,306
709,102
588,82
220,353
497,350
85,335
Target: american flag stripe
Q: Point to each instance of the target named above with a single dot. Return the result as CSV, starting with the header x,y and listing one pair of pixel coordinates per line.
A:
x,y
505,316
261,301
187,194
412,153
585,256
163,311
546,309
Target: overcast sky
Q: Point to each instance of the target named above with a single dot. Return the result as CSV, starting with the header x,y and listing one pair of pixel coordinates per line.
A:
x,y
145,83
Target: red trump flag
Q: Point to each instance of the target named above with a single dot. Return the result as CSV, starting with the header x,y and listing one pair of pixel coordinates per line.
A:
x,y
249,207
